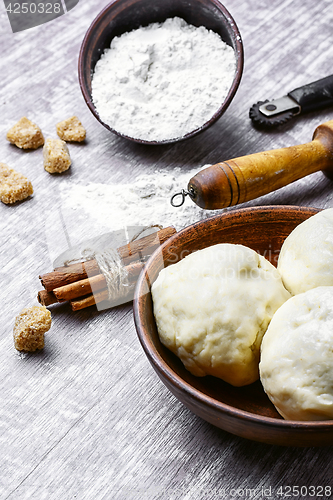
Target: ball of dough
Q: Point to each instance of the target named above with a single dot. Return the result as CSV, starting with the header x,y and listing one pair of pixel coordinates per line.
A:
x,y
213,307
296,366
306,257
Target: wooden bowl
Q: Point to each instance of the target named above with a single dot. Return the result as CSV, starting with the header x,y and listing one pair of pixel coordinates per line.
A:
x,y
244,411
121,16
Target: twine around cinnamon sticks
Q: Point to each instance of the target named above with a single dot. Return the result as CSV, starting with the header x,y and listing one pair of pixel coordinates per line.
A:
x,y
83,284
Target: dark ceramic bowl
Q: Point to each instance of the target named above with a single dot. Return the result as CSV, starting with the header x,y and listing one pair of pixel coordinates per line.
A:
x,y
244,411
121,16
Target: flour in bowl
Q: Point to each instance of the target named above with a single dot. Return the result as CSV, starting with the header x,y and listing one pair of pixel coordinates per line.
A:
x,y
162,81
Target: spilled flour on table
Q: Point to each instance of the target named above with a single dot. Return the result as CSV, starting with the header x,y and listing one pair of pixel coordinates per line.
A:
x,y
143,202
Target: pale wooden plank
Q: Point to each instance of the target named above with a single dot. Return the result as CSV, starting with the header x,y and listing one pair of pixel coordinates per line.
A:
x,y
88,418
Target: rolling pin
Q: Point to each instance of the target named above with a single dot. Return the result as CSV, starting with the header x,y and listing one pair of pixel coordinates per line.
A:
x,y
245,178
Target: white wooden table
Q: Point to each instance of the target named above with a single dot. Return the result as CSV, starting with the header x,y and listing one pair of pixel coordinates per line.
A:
x,y
87,418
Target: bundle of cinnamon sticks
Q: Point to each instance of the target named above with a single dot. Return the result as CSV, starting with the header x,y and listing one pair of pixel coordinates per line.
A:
x,y
84,285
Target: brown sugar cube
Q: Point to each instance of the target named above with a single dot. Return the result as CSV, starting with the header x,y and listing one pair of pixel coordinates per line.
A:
x,y
56,156
30,326
25,134
13,185
71,130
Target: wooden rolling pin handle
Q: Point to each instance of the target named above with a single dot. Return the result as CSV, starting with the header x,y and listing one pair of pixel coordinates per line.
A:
x,y
248,177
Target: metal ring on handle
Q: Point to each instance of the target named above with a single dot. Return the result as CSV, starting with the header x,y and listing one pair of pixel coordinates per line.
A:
x,y
183,195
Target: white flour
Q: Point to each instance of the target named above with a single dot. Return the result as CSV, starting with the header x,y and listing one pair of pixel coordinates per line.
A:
x,y
162,81
98,208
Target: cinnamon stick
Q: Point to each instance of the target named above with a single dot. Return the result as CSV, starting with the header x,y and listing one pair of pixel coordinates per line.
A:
x,y
93,284
89,300
73,273
129,253
46,298
80,288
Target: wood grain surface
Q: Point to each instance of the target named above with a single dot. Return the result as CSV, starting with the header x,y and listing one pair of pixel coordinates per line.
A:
x,y
87,418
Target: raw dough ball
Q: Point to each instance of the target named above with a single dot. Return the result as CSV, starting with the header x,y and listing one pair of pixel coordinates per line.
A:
x,y
296,367
213,307
306,257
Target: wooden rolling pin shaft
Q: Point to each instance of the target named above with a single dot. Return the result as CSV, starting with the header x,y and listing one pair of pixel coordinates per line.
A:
x,y
248,177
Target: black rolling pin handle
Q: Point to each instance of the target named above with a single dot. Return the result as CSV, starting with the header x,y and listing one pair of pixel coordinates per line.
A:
x,y
315,95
